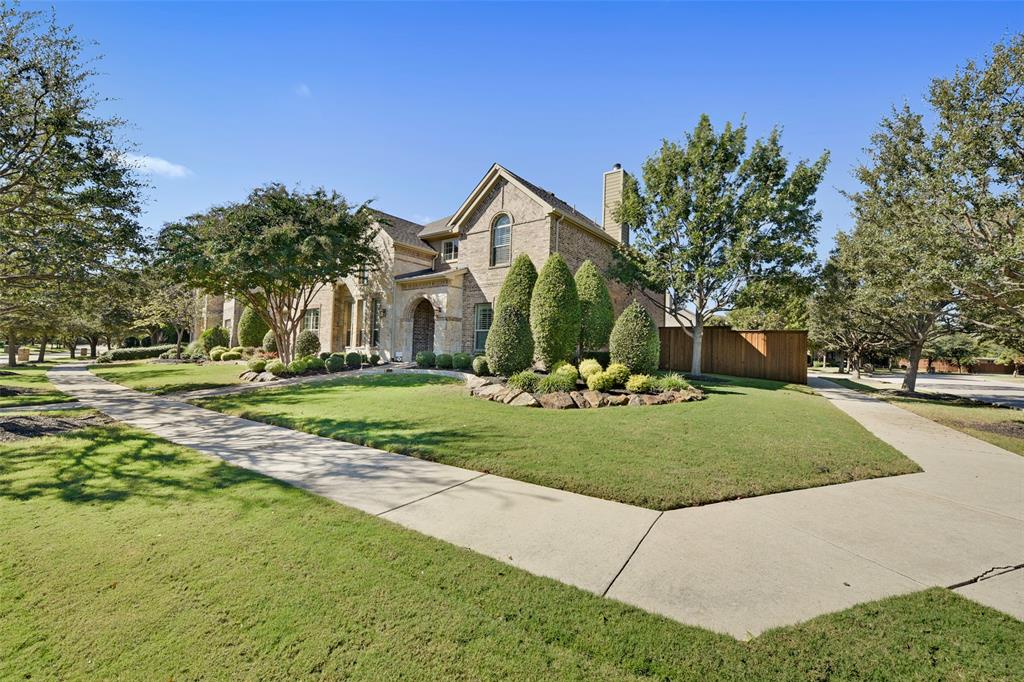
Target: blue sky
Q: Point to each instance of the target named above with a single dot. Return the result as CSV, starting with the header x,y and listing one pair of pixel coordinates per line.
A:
x,y
409,104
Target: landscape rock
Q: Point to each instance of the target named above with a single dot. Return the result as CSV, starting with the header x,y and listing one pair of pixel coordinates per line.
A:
x,y
512,394
594,398
634,400
578,398
613,400
524,399
473,382
556,401
490,391
264,377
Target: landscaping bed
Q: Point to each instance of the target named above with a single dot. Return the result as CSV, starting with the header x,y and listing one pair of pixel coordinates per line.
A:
x,y
17,427
188,568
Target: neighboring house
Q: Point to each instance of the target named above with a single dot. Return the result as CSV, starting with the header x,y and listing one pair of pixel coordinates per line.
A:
x,y
439,281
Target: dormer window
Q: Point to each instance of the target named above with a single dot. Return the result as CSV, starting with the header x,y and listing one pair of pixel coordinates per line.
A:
x,y
450,250
501,240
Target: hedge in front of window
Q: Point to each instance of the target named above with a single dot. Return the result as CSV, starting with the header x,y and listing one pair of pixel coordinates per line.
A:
x,y
554,313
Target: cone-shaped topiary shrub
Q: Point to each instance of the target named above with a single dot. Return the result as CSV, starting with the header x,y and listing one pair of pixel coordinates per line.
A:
x,y
509,343
554,313
251,329
596,313
517,289
308,343
634,341
270,342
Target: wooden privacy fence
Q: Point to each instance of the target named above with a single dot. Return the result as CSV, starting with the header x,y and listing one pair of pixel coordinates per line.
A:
x,y
779,355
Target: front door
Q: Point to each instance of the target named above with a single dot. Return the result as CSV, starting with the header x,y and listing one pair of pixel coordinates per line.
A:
x,y
422,328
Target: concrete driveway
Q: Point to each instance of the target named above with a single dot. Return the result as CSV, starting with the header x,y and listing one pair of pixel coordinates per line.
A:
x,y
988,388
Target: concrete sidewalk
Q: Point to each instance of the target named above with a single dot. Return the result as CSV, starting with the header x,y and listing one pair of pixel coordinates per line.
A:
x,y
736,567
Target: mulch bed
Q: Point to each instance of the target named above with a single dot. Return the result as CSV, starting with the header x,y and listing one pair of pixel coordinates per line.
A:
x,y
1014,429
20,427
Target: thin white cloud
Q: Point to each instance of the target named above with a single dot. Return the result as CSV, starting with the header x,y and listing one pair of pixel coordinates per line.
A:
x,y
154,165
421,219
302,90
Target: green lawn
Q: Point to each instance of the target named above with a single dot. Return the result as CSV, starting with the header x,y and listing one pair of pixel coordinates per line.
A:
x,y
749,437
160,378
1001,426
127,557
31,376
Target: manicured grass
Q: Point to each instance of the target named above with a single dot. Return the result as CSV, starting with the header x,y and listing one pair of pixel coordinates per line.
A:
x,y
749,437
126,557
160,378
30,376
1001,426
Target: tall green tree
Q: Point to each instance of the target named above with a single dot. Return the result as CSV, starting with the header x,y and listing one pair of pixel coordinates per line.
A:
x,y
554,313
168,302
596,312
275,251
517,289
712,217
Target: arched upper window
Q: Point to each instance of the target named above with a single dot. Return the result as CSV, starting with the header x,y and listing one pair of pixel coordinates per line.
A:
x,y
501,240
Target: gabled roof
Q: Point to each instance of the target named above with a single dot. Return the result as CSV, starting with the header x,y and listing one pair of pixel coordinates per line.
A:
x,y
435,228
548,200
401,230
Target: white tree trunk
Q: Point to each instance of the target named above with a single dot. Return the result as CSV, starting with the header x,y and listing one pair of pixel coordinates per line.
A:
x,y
698,338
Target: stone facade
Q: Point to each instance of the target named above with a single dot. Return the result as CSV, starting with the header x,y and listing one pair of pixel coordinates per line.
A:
x,y
386,311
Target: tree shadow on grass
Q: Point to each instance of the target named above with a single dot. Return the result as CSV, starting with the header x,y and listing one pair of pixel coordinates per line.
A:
x,y
109,465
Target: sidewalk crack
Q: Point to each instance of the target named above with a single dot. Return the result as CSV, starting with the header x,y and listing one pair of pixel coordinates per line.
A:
x,y
986,575
630,557
436,492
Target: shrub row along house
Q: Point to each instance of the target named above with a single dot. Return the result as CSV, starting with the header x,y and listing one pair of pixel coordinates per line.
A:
x,y
438,282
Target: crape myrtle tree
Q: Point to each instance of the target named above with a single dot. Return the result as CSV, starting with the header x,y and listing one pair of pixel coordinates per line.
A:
x,y
275,252
168,302
712,217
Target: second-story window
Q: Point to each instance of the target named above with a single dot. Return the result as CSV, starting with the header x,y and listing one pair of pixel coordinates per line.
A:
x,y
450,250
501,240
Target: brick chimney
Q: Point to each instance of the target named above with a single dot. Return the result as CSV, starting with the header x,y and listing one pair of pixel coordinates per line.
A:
x,y
614,183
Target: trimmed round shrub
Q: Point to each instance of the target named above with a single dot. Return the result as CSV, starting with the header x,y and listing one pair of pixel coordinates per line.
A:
x,y
602,356
444,361
569,371
251,328
230,356
324,355
596,312
462,361
588,367
480,367
425,359
269,342
217,353
634,341
517,289
373,360
238,349
641,383
554,313
526,380
277,368
257,364
354,360
297,366
600,381
314,364
334,362
307,343
672,382
213,337
509,343
619,373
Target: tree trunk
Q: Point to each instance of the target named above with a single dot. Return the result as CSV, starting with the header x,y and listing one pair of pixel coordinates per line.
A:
x,y
698,337
856,365
910,378
42,349
93,342
177,346
12,351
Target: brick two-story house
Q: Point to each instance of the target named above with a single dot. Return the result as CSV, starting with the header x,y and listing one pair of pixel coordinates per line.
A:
x,y
439,280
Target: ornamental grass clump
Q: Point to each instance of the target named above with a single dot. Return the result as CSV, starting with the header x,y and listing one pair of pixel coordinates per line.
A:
x,y
672,382
634,340
526,380
564,378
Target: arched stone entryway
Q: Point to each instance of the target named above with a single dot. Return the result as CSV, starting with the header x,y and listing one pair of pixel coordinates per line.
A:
x,y
422,328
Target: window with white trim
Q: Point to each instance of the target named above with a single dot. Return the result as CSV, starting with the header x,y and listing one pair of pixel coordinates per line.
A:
x,y
311,320
450,250
483,315
501,240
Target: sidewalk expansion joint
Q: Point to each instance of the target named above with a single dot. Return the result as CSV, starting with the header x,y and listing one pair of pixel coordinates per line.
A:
x,y
436,492
630,557
986,575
